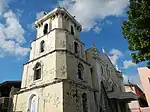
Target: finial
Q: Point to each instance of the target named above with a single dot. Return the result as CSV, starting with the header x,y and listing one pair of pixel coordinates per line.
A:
x,y
94,48
45,13
117,68
103,50
93,45
58,6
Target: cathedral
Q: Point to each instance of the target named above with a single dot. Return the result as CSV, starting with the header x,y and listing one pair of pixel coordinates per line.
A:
x,y
61,76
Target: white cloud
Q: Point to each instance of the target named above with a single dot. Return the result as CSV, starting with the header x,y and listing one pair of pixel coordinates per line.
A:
x,y
3,6
13,29
87,12
11,33
19,12
115,54
128,63
31,26
108,22
1,55
97,29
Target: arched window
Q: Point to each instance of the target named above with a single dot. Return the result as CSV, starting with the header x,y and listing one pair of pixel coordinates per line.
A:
x,y
91,70
45,31
33,103
42,46
84,102
80,71
102,70
76,47
72,30
37,71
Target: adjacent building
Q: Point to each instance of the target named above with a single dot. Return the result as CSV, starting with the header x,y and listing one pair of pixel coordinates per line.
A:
x,y
144,73
105,74
139,105
6,90
61,77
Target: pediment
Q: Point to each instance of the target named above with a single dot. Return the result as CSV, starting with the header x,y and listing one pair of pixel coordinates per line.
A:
x,y
104,57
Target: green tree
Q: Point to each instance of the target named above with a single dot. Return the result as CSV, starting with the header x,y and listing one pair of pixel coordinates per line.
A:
x,y
136,30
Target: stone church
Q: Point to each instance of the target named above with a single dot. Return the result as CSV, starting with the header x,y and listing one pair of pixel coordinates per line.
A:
x,y
61,76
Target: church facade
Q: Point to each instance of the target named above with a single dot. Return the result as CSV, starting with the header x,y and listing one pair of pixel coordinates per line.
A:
x,y
61,77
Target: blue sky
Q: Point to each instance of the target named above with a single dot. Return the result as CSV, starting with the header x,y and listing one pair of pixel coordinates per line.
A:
x,y
101,22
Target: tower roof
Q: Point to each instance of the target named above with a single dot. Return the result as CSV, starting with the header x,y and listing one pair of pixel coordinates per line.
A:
x,y
54,13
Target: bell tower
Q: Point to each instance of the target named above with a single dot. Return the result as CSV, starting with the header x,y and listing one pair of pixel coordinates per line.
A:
x,y
58,37
57,76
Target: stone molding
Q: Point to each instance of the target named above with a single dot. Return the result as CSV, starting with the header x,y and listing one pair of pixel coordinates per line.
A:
x,y
60,50
59,29
59,11
78,84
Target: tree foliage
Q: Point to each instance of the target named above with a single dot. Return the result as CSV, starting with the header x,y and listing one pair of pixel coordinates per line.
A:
x,y
137,30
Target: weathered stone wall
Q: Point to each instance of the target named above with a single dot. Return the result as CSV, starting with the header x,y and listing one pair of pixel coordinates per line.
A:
x,y
105,71
50,98
48,75
70,45
72,70
66,25
49,45
73,97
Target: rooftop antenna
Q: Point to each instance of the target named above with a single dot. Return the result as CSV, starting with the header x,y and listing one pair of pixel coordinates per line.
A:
x,y
129,80
130,84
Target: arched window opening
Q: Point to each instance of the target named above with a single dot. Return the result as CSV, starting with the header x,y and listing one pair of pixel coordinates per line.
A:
x,y
72,30
84,102
33,104
82,51
80,71
76,47
102,70
37,71
45,31
42,46
91,70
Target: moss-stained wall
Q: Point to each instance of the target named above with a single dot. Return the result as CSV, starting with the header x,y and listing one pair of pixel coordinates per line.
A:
x,y
73,97
50,98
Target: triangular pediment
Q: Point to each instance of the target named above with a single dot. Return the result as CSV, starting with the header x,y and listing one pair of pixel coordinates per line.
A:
x,y
105,58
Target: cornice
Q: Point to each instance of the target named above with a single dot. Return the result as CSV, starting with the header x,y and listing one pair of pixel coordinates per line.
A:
x,y
59,11
60,50
80,85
